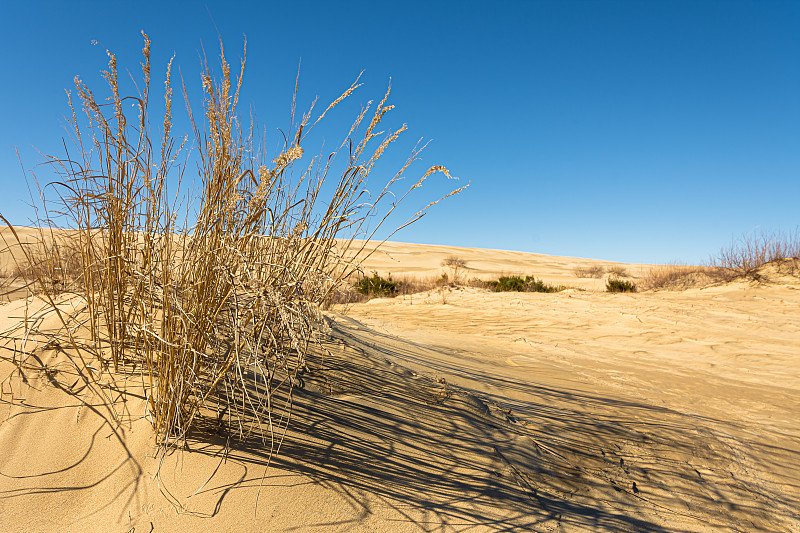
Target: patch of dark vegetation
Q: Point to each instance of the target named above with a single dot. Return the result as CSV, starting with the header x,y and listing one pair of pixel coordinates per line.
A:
x,y
519,284
620,285
376,286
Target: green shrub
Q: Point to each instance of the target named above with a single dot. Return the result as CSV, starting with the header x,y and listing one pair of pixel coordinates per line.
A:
x,y
376,285
504,284
620,285
518,284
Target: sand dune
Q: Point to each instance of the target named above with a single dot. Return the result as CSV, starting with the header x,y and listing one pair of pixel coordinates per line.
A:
x,y
461,410
421,260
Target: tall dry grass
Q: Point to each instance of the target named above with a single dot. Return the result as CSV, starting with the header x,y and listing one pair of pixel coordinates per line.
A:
x,y
674,276
221,302
51,262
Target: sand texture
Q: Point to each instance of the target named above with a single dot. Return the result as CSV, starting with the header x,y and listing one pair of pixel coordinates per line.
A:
x,y
451,410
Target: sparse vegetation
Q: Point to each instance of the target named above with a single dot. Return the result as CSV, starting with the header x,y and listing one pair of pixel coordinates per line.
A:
x,y
456,265
618,271
454,262
747,254
363,289
415,284
620,285
53,265
745,257
675,276
519,284
789,266
594,271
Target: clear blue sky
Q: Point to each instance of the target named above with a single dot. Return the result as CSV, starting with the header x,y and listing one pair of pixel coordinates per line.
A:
x,y
640,131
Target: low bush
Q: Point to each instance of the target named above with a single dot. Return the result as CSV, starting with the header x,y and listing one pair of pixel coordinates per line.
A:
x,y
620,285
376,286
508,284
519,284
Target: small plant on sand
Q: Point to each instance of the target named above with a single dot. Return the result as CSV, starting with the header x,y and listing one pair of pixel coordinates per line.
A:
x,y
456,265
618,271
519,284
620,285
594,271
377,286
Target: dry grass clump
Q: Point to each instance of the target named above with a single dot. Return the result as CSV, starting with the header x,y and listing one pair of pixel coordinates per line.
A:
x,y
216,296
618,271
789,266
747,254
408,285
594,271
675,276
52,264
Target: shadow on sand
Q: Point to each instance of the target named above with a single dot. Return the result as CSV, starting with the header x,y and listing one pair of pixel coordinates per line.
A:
x,y
450,457
388,423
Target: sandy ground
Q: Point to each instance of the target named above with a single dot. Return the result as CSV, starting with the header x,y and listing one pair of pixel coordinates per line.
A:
x,y
461,410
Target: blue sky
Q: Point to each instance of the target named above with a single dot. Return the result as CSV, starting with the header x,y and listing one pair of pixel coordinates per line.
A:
x,y
639,131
